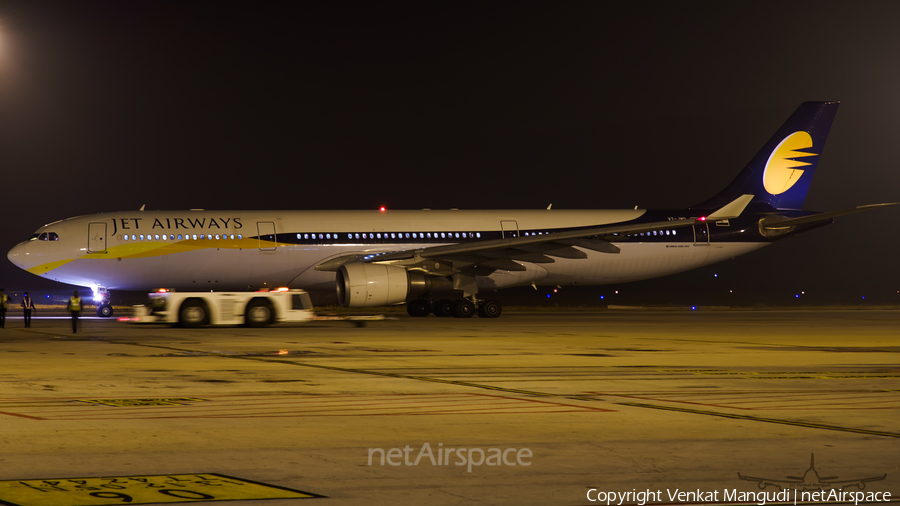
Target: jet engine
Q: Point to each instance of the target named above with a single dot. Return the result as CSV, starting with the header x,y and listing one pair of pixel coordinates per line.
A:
x,y
364,285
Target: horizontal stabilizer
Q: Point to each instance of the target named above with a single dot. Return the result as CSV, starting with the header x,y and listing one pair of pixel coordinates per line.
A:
x,y
813,218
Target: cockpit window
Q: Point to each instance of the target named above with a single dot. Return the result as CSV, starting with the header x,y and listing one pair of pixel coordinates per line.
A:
x,y
53,236
43,237
33,237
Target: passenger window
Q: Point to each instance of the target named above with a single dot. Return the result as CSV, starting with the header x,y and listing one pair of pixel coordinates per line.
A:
x,y
239,236
179,237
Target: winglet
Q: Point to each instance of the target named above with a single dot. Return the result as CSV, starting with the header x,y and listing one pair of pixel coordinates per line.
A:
x,y
732,210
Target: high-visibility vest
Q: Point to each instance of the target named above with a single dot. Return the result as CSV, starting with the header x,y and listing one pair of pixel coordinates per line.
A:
x,y
74,303
4,300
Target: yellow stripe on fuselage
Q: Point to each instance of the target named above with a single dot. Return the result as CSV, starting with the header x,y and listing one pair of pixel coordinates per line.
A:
x,y
45,268
155,249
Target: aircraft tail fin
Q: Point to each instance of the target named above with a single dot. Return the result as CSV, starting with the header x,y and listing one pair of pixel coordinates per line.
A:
x,y
780,174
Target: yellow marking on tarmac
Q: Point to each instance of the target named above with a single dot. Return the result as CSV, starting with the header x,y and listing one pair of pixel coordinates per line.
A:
x,y
375,373
128,403
761,419
530,392
324,405
140,490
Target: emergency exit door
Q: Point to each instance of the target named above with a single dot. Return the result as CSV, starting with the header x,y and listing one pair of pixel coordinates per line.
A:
x,y
701,234
267,237
96,237
509,228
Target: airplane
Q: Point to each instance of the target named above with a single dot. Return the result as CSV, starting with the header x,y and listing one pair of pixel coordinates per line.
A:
x,y
811,480
384,257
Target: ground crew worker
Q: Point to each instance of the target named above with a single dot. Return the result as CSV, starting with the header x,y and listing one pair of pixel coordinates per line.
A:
x,y
74,307
27,308
4,303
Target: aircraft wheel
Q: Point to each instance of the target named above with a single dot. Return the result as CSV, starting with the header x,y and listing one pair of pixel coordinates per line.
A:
x,y
104,310
258,313
490,309
443,308
192,313
463,308
418,308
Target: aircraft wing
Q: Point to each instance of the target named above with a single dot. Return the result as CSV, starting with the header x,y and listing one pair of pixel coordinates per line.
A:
x,y
484,257
765,481
861,483
501,253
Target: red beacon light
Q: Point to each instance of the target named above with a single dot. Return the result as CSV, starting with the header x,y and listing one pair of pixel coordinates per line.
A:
x,y
702,218
382,209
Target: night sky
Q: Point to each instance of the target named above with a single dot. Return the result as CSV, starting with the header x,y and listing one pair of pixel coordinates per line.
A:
x,y
109,106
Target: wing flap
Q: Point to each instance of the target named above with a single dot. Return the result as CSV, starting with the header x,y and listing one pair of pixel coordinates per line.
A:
x,y
598,245
503,264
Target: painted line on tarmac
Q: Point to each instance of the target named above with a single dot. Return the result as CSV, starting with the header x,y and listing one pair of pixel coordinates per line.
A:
x,y
169,488
156,401
761,419
382,374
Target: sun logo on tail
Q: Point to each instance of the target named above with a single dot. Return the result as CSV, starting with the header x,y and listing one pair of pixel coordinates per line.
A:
x,y
783,169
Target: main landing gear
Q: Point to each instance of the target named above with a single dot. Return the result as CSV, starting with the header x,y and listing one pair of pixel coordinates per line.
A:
x,y
460,308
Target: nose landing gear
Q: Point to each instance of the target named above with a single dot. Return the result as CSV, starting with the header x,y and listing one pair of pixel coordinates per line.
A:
x,y
101,298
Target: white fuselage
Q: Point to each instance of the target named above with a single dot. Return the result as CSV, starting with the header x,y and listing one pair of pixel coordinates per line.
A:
x,y
256,249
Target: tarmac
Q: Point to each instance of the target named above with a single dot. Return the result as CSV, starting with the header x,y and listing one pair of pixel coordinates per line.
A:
x,y
538,408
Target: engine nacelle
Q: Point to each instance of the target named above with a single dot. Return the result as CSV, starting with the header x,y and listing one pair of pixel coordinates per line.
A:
x,y
365,285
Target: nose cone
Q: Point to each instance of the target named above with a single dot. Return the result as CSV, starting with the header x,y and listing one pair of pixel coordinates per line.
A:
x,y
18,256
